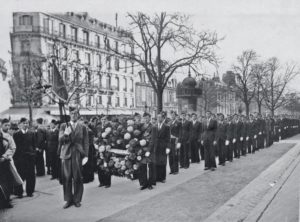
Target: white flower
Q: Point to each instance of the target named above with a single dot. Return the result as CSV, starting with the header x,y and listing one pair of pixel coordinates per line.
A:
x,y
147,154
101,148
127,146
127,136
135,167
143,142
119,141
108,147
104,135
108,130
130,122
123,168
139,158
130,129
122,162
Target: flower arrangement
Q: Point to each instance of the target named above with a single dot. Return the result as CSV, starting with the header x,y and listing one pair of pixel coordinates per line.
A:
x,y
130,138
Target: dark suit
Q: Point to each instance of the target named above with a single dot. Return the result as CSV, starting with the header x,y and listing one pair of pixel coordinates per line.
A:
x,y
41,144
73,148
52,147
196,129
160,141
230,127
175,128
220,138
238,144
184,139
24,159
208,140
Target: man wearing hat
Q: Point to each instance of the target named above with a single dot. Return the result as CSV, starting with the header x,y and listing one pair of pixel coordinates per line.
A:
x,y
74,146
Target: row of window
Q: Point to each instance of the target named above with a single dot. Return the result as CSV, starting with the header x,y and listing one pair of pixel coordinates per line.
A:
x,y
99,101
90,81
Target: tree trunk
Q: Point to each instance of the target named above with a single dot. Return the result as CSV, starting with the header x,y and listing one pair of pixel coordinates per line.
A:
x,y
30,112
259,107
159,95
247,108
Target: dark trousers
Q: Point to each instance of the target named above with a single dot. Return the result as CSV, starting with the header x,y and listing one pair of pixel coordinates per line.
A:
x,y
184,155
40,163
260,141
173,157
25,168
244,146
48,160
53,163
195,157
250,145
202,151
230,150
104,177
88,168
161,172
221,151
209,154
72,178
147,174
237,148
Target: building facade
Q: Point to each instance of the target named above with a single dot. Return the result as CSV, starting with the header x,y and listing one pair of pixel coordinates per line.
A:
x,y
86,52
146,99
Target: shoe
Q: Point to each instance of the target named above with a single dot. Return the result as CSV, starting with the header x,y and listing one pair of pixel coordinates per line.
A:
x,y
52,178
67,205
206,168
7,206
143,187
150,187
20,196
77,204
171,173
101,185
30,195
223,164
107,186
213,169
163,181
175,173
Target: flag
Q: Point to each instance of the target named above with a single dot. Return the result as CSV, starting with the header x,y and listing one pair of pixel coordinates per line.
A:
x,y
59,87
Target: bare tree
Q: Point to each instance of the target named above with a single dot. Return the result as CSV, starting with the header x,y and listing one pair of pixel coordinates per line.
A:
x,y
164,36
259,73
243,69
275,83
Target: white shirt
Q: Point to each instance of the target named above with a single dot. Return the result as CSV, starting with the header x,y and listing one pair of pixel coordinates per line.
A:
x,y
24,131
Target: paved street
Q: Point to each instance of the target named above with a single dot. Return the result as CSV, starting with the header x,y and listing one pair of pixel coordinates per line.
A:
x,y
190,196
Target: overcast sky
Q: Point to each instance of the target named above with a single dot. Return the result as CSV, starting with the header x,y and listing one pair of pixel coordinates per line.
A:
x,y
270,27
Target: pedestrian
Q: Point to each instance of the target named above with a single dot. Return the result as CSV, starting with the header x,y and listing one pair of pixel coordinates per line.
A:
x,y
25,157
73,137
221,138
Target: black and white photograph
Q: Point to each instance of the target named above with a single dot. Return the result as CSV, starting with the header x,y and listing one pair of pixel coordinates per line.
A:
x,y
150,111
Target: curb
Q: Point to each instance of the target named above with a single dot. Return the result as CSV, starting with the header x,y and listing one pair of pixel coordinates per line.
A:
x,y
250,203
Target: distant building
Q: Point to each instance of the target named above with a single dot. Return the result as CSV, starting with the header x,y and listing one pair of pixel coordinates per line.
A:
x,y
108,79
146,99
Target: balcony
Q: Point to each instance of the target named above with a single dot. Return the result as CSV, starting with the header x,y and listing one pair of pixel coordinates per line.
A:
x,y
56,34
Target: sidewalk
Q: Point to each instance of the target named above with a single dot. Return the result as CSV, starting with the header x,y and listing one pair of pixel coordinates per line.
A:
x,y
192,195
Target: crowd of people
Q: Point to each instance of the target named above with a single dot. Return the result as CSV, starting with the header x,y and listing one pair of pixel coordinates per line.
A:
x,y
71,152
